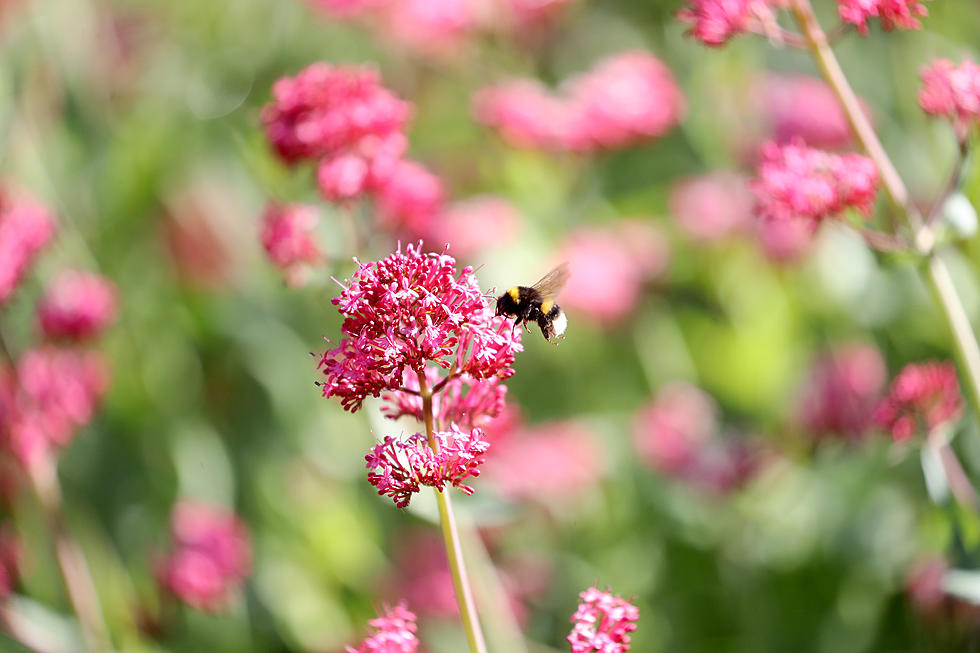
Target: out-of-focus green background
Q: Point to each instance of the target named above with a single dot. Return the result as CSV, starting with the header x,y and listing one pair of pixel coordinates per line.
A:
x,y
131,117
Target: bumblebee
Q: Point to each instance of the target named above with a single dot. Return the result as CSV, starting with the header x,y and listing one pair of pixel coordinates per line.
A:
x,y
536,303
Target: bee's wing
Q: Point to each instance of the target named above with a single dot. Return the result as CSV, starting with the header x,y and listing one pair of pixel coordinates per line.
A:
x,y
552,283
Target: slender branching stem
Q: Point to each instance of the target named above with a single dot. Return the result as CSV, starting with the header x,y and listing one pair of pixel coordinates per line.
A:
x,y
923,239
450,536
71,561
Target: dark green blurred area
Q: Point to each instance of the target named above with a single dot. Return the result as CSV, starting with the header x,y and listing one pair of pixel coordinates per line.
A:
x,y
121,115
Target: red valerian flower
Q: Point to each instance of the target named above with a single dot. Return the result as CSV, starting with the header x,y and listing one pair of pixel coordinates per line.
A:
x,y
402,467
410,200
841,391
407,310
288,241
952,92
394,633
799,182
714,22
602,623
211,556
462,400
78,305
894,14
922,396
51,394
25,227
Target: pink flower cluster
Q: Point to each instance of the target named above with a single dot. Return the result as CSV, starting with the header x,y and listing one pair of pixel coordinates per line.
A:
x,y
922,396
394,633
952,92
798,107
678,434
51,394
25,227
799,182
78,305
894,14
626,99
610,267
288,240
211,555
408,309
463,400
841,391
714,22
602,623
401,468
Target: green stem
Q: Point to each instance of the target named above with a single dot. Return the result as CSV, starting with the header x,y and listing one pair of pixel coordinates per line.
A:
x,y
923,238
450,536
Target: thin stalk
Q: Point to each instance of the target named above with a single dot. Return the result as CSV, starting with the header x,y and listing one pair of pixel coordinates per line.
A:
x,y
924,241
71,561
450,536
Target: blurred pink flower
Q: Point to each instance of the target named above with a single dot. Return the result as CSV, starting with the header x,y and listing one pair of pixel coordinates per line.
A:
x,y
670,433
409,309
602,623
532,12
394,633
77,305
410,200
841,390
287,238
924,584
430,27
347,8
713,206
952,92
625,99
47,398
798,182
25,227
399,468
423,577
471,226
922,396
574,462
609,267
894,14
714,22
211,555
462,400
804,108
785,240
197,241
11,557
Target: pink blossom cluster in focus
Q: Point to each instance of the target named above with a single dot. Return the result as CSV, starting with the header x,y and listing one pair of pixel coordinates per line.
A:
x,y
47,398
678,434
394,632
625,99
798,107
922,397
610,267
399,468
77,305
894,14
799,182
714,22
952,92
602,623
841,391
409,309
287,236
25,227
211,556
462,400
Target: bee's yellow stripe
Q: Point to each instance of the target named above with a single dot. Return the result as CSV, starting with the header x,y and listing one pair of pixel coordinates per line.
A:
x,y
547,305
514,293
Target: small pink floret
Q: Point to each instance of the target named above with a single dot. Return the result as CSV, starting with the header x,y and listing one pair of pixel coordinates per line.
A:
x,y
25,228
894,14
602,623
212,555
922,397
395,632
952,92
400,468
77,305
799,182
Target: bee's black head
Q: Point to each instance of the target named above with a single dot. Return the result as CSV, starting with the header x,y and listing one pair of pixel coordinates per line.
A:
x,y
507,304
